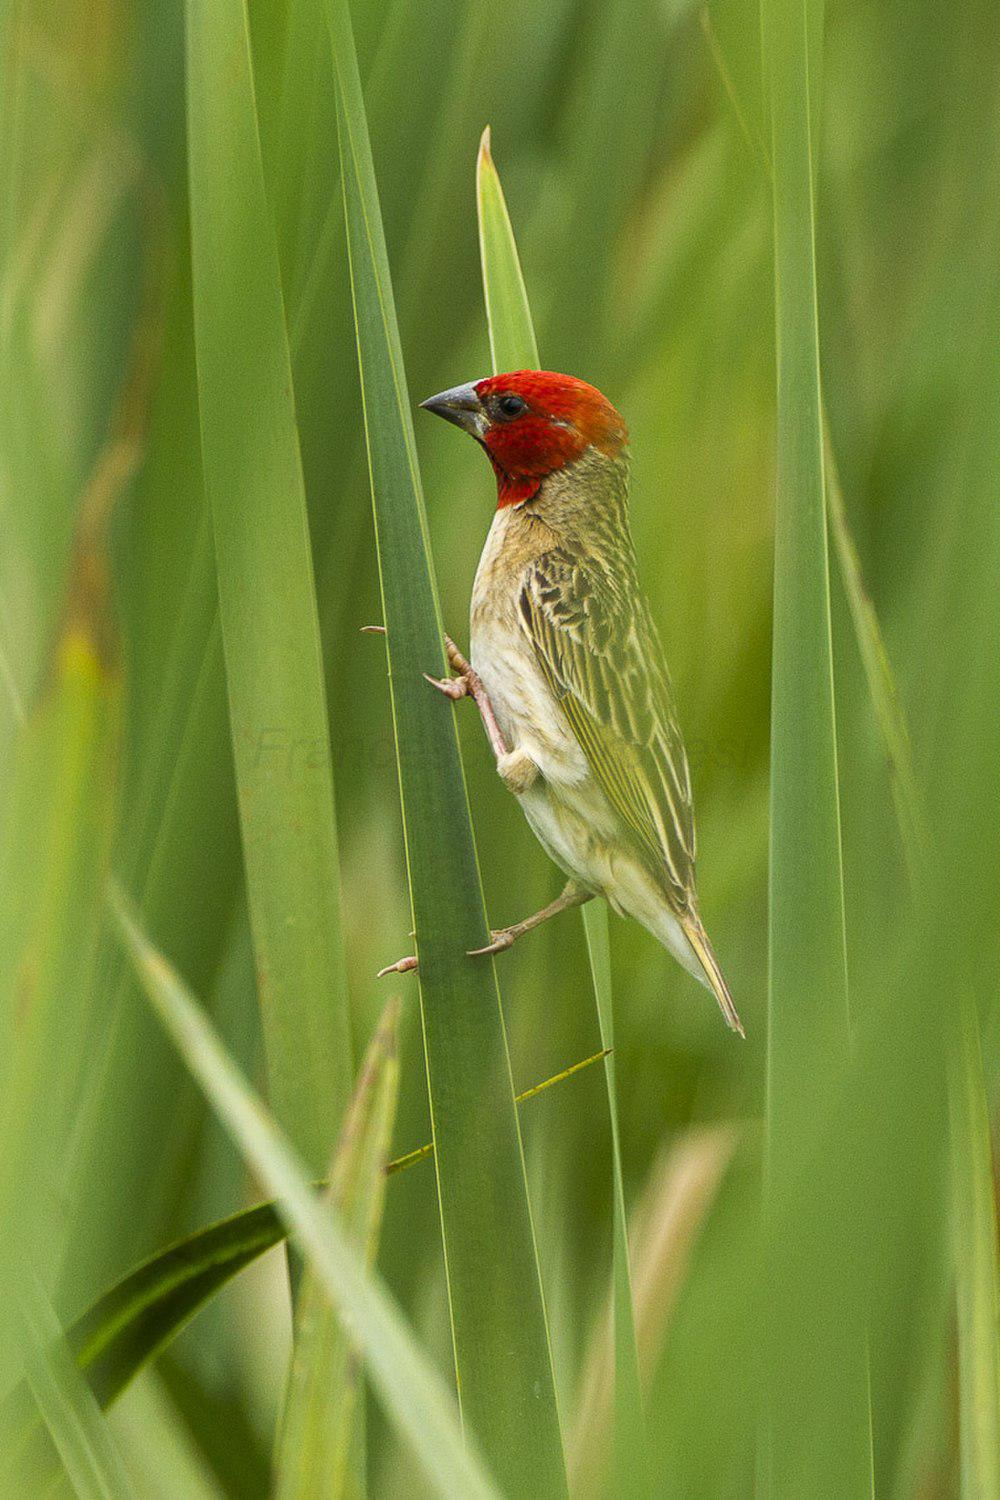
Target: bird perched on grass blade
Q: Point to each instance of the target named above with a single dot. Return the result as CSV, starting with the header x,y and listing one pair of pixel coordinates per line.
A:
x,y
565,651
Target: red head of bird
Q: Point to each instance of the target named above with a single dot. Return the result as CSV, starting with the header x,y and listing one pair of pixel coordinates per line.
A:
x,y
532,423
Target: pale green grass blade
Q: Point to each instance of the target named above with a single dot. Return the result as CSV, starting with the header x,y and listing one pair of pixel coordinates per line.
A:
x,y
502,1356
253,478
318,1420
158,1451
413,1393
974,1239
629,1434
818,1419
69,1408
513,346
882,687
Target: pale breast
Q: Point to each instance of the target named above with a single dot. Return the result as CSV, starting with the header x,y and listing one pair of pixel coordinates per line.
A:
x,y
525,706
567,810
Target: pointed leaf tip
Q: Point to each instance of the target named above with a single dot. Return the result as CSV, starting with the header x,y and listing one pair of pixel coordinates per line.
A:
x,y
485,145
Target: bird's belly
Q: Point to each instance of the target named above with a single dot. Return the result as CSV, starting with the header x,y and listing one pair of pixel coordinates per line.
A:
x,y
566,809
526,709
580,833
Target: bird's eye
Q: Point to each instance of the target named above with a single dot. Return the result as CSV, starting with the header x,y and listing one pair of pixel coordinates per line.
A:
x,y
511,406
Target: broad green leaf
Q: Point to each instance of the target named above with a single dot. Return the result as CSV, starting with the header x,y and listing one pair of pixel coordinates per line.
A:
x,y
513,346
818,1419
254,483
318,1420
502,1356
412,1392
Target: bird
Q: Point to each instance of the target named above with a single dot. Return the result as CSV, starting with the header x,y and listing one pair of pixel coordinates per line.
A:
x,y
567,666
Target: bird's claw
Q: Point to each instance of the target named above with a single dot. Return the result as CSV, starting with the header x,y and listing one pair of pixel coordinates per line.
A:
x,y
499,943
401,966
452,687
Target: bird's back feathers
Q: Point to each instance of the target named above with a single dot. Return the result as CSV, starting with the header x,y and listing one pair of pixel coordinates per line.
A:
x,y
596,644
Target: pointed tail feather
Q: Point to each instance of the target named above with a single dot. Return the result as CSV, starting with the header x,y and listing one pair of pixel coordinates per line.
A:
x,y
698,938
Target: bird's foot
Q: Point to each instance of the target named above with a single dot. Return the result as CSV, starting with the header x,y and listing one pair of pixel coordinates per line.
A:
x,y
401,966
517,771
573,894
500,940
465,684
452,687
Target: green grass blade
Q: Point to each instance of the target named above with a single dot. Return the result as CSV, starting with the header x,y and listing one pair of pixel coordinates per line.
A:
x,y
502,1356
879,675
881,681
253,478
513,346
318,1419
974,1238
818,1403
629,1433
412,1392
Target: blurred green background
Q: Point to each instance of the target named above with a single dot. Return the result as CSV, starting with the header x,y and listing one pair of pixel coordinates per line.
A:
x,y
633,149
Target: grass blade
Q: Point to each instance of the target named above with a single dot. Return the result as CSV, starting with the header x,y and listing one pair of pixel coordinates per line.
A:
x,y
817,1354
412,1392
253,478
508,313
68,1406
513,346
502,1356
318,1418
677,1199
975,1248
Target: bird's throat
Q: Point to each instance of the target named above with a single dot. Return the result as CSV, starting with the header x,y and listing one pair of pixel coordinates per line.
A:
x,y
514,489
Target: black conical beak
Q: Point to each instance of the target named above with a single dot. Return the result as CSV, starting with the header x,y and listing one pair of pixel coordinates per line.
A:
x,y
462,406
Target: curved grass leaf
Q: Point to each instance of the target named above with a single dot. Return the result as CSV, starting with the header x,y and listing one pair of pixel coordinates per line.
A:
x,y
411,1390
502,1357
318,1419
254,483
818,1417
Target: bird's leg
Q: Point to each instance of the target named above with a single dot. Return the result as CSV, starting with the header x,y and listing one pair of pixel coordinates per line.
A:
x,y
517,770
573,894
468,684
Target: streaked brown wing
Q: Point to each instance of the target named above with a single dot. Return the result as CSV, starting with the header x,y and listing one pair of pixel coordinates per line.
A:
x,y
598,647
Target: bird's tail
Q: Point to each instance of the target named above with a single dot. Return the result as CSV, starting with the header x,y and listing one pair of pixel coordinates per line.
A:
x,y
698,938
